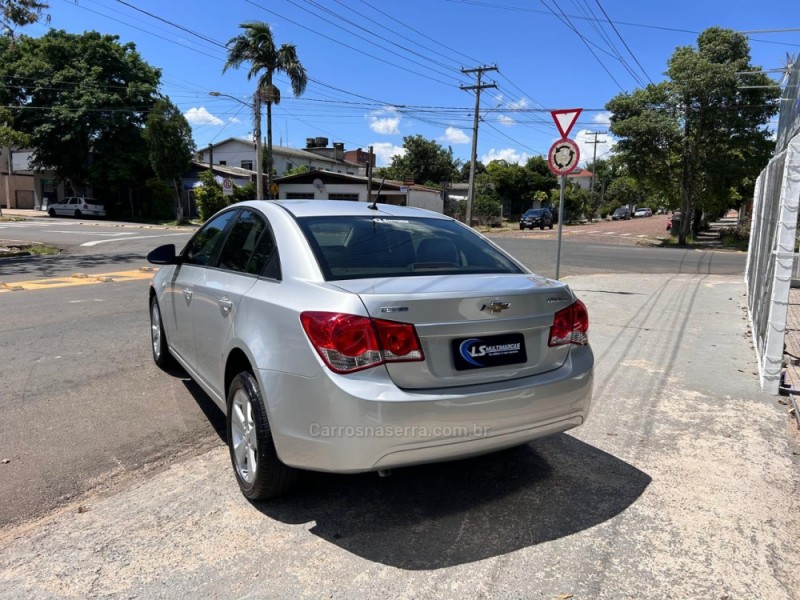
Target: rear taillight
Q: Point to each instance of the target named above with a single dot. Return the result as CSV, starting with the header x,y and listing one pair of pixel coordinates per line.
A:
x,y
570,326
348,343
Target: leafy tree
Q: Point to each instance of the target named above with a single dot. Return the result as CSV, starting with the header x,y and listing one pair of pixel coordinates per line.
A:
x,y
20,13
256,46
576,202
8,135
542,178
700,136
512,183
463,171
297,170
170,146
425,161
87,95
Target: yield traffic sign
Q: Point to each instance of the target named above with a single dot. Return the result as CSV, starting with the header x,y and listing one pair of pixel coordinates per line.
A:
x,y
565,119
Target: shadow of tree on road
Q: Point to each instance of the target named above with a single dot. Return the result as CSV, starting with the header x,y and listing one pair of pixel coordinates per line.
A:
x,y
40,267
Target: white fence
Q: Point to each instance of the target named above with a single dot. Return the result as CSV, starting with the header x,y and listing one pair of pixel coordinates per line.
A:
x,y
770,259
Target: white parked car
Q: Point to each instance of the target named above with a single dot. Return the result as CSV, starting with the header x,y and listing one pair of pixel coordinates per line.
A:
x,y
343,337
77,207
643,212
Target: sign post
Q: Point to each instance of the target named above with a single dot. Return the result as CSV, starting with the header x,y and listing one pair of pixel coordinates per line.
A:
x,y
227,187
563,156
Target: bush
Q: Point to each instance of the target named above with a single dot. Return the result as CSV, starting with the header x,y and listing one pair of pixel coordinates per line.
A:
x,y
737,237
209,197
244,192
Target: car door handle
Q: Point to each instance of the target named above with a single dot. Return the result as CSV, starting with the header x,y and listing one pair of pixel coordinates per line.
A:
x,y
225,305
187,293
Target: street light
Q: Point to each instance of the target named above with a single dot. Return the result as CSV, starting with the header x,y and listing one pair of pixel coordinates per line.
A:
x,y
256,107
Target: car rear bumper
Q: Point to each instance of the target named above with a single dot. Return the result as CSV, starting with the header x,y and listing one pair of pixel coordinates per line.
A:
x,y
350,424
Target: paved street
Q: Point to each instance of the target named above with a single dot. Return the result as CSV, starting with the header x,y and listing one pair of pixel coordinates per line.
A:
x,y
130,465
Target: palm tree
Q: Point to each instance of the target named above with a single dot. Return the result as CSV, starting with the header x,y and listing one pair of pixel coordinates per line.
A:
x,y
257,47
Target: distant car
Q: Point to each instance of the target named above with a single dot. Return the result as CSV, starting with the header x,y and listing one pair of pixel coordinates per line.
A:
x,y
623,213
347,337
74,206
536,217
643,212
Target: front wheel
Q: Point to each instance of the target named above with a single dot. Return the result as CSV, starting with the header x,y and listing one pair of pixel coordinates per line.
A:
x,y
551,225
78,214
259,471
51,212
158,341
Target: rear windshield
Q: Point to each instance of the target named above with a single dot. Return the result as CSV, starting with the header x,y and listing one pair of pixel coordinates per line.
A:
x,y
362,247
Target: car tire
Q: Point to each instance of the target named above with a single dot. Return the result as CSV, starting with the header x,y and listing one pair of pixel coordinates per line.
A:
x,y
51,212
522,228
78,214
260,473
158,339
551,225
541,227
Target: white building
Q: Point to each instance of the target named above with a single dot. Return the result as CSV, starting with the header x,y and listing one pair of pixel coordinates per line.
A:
x,y
241,152
324,185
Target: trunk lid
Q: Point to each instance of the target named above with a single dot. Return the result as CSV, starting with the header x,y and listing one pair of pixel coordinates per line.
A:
x,y
473,328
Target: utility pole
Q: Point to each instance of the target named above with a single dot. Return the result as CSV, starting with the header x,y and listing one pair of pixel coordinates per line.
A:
x,y
479,71
594,164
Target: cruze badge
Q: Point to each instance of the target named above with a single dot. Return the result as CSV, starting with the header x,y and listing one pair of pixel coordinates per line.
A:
x,y
554,300
496,307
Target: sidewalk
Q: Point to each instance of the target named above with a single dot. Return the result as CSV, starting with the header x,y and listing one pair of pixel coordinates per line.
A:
x,y
23,212
682,484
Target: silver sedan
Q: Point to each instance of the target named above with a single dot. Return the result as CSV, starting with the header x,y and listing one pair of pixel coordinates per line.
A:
x,y
347,337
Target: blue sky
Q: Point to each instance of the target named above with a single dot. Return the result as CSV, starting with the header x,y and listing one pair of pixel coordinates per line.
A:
x,y
382,70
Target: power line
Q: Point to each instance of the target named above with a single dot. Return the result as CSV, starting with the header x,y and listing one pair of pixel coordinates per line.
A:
x,y
610,22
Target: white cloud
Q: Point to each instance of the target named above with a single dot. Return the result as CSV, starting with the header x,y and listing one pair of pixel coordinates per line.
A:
x,y
585,141
506,120
510,155
200,116
388,126
234,121
602,118
385,121
454,135
519,104
384,151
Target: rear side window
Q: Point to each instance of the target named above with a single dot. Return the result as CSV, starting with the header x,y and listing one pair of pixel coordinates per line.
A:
x,y
361,247
241,241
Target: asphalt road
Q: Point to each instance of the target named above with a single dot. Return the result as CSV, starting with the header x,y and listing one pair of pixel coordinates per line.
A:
x,y
82,403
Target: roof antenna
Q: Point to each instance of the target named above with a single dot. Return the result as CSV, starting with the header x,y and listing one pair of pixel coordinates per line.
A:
x,y
374,205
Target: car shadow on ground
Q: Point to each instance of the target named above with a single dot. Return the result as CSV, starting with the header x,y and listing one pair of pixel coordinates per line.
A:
x,y
436,516
445,514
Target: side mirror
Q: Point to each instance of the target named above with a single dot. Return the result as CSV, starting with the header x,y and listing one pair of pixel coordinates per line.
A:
x,y
163,255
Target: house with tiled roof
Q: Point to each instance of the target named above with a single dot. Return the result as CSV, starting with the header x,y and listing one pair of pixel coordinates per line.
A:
x,y
581,177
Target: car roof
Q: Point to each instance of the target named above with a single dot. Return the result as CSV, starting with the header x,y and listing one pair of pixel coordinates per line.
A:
x,y
340,208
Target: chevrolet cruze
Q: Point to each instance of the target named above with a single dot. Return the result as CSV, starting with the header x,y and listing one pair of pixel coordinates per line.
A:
x,y
348,337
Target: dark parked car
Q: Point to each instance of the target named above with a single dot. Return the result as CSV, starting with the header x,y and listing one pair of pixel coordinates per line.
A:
x,y
622,213
536,217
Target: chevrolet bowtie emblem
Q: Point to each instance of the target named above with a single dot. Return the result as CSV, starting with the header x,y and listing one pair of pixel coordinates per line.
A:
x,y
496,307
